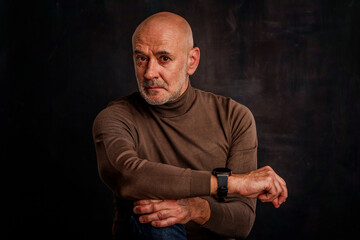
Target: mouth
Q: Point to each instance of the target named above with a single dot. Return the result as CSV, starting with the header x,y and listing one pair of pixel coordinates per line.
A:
x,y
153,88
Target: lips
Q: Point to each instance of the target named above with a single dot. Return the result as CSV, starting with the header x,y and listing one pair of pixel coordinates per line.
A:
x,y
153,88
153,84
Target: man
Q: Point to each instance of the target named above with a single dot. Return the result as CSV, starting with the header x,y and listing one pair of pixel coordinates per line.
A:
x,y
157,149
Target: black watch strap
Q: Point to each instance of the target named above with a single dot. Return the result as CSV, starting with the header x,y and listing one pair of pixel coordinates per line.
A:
x,y
222,186
222,175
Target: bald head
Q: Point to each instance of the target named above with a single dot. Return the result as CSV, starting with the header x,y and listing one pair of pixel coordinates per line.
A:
x,y
165,24
164,57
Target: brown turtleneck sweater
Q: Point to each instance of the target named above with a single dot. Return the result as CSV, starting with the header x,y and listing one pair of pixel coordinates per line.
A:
x,y
169,151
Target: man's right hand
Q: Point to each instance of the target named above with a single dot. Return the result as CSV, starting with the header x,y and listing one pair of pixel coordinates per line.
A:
x,y
262,183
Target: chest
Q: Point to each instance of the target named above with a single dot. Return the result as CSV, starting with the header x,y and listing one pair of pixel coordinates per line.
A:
x,y
198,141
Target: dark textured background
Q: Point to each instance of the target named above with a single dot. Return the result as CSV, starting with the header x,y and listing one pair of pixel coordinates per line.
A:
x,y
293,63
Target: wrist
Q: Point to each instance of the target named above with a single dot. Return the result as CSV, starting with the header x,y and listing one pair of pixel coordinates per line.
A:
x,y
235,184
222,174
231,184
213,185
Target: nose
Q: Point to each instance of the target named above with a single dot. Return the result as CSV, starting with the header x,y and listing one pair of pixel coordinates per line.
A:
x,y
151,70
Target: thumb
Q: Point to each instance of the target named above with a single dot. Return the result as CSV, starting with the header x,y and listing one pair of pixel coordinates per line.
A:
x,y
263,197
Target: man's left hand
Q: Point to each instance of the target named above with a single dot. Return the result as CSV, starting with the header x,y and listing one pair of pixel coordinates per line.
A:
x,y
164,213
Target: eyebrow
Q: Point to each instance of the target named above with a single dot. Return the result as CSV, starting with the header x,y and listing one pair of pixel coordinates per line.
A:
x,y
162,52
138,52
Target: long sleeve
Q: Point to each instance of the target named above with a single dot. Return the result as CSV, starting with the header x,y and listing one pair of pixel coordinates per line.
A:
x,y
235,217
130,177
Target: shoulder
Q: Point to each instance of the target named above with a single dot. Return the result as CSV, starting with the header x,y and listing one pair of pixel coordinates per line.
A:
x,y
123,106
120,111
226,105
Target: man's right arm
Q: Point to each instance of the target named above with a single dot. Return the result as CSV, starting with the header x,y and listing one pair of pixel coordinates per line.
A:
x,y
130,177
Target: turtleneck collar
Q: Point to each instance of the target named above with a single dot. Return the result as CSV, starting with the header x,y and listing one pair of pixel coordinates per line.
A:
x,y
177,107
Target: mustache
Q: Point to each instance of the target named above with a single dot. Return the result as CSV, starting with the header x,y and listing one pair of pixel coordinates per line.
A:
x,y
153,83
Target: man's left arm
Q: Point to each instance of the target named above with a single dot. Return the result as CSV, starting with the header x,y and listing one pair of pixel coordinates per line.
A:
x,y
235,216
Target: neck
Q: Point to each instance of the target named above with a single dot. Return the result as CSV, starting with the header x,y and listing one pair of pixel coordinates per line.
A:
x,y
176,107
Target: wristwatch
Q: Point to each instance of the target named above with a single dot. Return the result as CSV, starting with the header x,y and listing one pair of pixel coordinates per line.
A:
x,y
222,175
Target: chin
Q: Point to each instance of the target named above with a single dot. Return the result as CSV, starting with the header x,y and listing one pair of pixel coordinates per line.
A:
x,y
153,100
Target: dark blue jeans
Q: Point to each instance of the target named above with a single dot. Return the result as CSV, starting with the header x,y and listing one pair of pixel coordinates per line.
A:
x,y
134,230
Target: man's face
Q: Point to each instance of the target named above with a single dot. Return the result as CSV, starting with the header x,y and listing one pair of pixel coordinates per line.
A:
x,y
160,60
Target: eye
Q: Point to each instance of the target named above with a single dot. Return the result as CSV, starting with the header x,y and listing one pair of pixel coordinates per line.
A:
x,y
141,58
165,58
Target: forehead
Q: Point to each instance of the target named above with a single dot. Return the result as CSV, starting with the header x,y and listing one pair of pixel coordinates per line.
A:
x,y
154,39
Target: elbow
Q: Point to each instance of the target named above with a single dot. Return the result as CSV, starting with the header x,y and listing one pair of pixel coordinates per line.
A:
x,y
123,187
119,190
124,190
115,182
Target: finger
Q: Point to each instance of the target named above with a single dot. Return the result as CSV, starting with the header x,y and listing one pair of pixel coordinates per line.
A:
x,y
263,197
281,180
154,206
278,187
277,194
143,209
284,193
145,202
283,196
271,192
157,216
276,203
165,223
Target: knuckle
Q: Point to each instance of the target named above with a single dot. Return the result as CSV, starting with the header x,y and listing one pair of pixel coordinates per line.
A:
x,y
269,179
138,210
154,208
178,210
268,168
156,224
144,218
160,215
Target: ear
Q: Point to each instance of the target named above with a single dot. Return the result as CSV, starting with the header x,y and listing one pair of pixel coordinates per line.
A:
x,y
193,60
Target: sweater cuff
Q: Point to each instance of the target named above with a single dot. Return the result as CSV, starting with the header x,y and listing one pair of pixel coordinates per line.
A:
x,y
200,183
